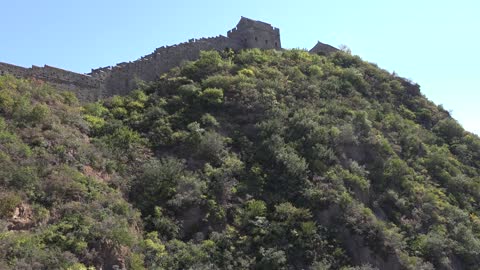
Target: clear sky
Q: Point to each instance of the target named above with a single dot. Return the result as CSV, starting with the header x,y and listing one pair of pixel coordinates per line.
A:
x,y
433,43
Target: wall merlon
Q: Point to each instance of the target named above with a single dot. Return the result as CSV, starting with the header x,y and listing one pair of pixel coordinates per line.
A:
x,y
14,70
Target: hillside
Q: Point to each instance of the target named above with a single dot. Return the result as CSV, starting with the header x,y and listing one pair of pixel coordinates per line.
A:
x,y
249,160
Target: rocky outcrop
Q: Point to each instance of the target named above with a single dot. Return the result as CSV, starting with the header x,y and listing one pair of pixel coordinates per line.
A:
x,y
22,218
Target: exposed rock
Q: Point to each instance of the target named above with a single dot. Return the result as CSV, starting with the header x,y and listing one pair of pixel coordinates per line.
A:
x,y
91,172
22,218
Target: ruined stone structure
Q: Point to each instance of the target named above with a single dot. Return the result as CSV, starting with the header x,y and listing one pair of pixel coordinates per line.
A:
x,y
322,48
255,34
122,78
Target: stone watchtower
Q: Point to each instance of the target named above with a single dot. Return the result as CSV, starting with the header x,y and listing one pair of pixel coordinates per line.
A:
x,y
255,34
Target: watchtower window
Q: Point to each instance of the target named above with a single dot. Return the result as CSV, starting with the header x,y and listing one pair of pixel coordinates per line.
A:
x,y
276,45
266,41
256,39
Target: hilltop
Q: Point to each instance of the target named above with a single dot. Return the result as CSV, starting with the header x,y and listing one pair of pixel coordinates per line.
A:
x,y
124,77
256,159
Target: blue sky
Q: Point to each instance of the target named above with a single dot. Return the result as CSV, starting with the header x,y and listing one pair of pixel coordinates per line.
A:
x,y
433,43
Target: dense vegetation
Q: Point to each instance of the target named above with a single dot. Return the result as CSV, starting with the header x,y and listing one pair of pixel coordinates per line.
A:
x,y
249,160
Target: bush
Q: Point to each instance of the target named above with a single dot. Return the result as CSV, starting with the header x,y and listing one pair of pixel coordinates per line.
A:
x,y
212,96
211,147
255,208
449,129
95,109
6,101
94,122
125,139
8,202
272,259
209,120
253,56
40,113
25,179
157,182
209,63
315,71
290,214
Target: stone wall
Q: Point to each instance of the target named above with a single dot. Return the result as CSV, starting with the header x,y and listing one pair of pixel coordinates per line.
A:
x,y
248,33
14,70
121,78
58,75
86,87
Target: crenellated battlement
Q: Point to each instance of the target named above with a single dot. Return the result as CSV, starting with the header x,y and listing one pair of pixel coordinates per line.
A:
x,y
123,77
85,86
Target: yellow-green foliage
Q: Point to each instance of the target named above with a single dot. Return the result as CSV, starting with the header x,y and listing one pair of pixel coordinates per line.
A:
x,y
94,122
212,96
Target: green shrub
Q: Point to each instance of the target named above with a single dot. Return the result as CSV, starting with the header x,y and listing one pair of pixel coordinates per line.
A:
x,y
6,101
210,62
212,96
95,109
8,202
40,113
449,129
315,71
255,208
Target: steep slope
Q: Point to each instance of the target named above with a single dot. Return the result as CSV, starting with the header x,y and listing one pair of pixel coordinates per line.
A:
x,y
249,160
59,205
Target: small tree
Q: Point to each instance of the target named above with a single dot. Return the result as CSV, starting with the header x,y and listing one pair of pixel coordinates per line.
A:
x,y
212,96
